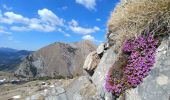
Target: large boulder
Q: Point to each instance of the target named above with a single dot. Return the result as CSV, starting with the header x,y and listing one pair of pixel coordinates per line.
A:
x,y
91,62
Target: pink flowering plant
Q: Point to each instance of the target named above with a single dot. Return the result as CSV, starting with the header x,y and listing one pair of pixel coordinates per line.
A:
x,y
141,58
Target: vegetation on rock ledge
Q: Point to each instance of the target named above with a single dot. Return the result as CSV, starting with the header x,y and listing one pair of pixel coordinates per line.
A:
x,y
141,58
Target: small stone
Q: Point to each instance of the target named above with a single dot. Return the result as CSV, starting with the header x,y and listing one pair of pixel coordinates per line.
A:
x,y
162,80
16,97
164,52
100,48
107,45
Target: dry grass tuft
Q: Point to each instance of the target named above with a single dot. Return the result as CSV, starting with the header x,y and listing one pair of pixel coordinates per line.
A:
x,y
131,17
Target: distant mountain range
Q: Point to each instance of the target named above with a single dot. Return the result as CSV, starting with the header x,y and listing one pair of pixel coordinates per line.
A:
x,y
11,58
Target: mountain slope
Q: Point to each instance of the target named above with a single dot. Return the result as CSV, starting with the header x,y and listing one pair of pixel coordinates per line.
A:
x,y
64,59
10,58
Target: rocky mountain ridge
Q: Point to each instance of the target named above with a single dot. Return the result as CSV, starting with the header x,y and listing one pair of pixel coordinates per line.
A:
x,y
57,59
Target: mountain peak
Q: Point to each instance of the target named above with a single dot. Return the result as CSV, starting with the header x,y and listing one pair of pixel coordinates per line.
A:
x,y
59,58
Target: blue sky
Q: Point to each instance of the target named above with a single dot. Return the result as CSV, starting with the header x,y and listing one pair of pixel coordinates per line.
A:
x,y
33,24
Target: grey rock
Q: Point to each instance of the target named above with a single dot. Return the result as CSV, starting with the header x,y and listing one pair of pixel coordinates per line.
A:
x,y
99,76
56,93
77,96
33,97
91,62
81,89
100,48
107,45
156,86
109,96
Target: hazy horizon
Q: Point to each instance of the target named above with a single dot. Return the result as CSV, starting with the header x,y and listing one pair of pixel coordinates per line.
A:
x,y
45,45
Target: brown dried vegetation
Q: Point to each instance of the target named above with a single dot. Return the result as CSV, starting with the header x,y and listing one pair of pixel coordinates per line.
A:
x,y
131,17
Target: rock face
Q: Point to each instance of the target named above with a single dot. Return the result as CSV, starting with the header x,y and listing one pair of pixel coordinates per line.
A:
x,y
91,62
157,85
99,75
65,59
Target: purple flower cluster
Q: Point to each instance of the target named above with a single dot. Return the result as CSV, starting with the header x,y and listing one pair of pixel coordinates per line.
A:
x,y
113,85
141,57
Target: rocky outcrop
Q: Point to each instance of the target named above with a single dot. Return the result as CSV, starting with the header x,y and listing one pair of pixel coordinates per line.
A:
x,y
100,49
120,28
156,86
57,59
91,62
99,75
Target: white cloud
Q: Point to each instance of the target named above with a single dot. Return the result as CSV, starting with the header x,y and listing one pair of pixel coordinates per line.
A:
x,y
67,35
11,17
62,31
91,38
88,37
3,31
0,14
19,28
46,22
82,30
98,19
64,7
6,7
73,23
74,26
42,27
89,4
49,17
6,34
